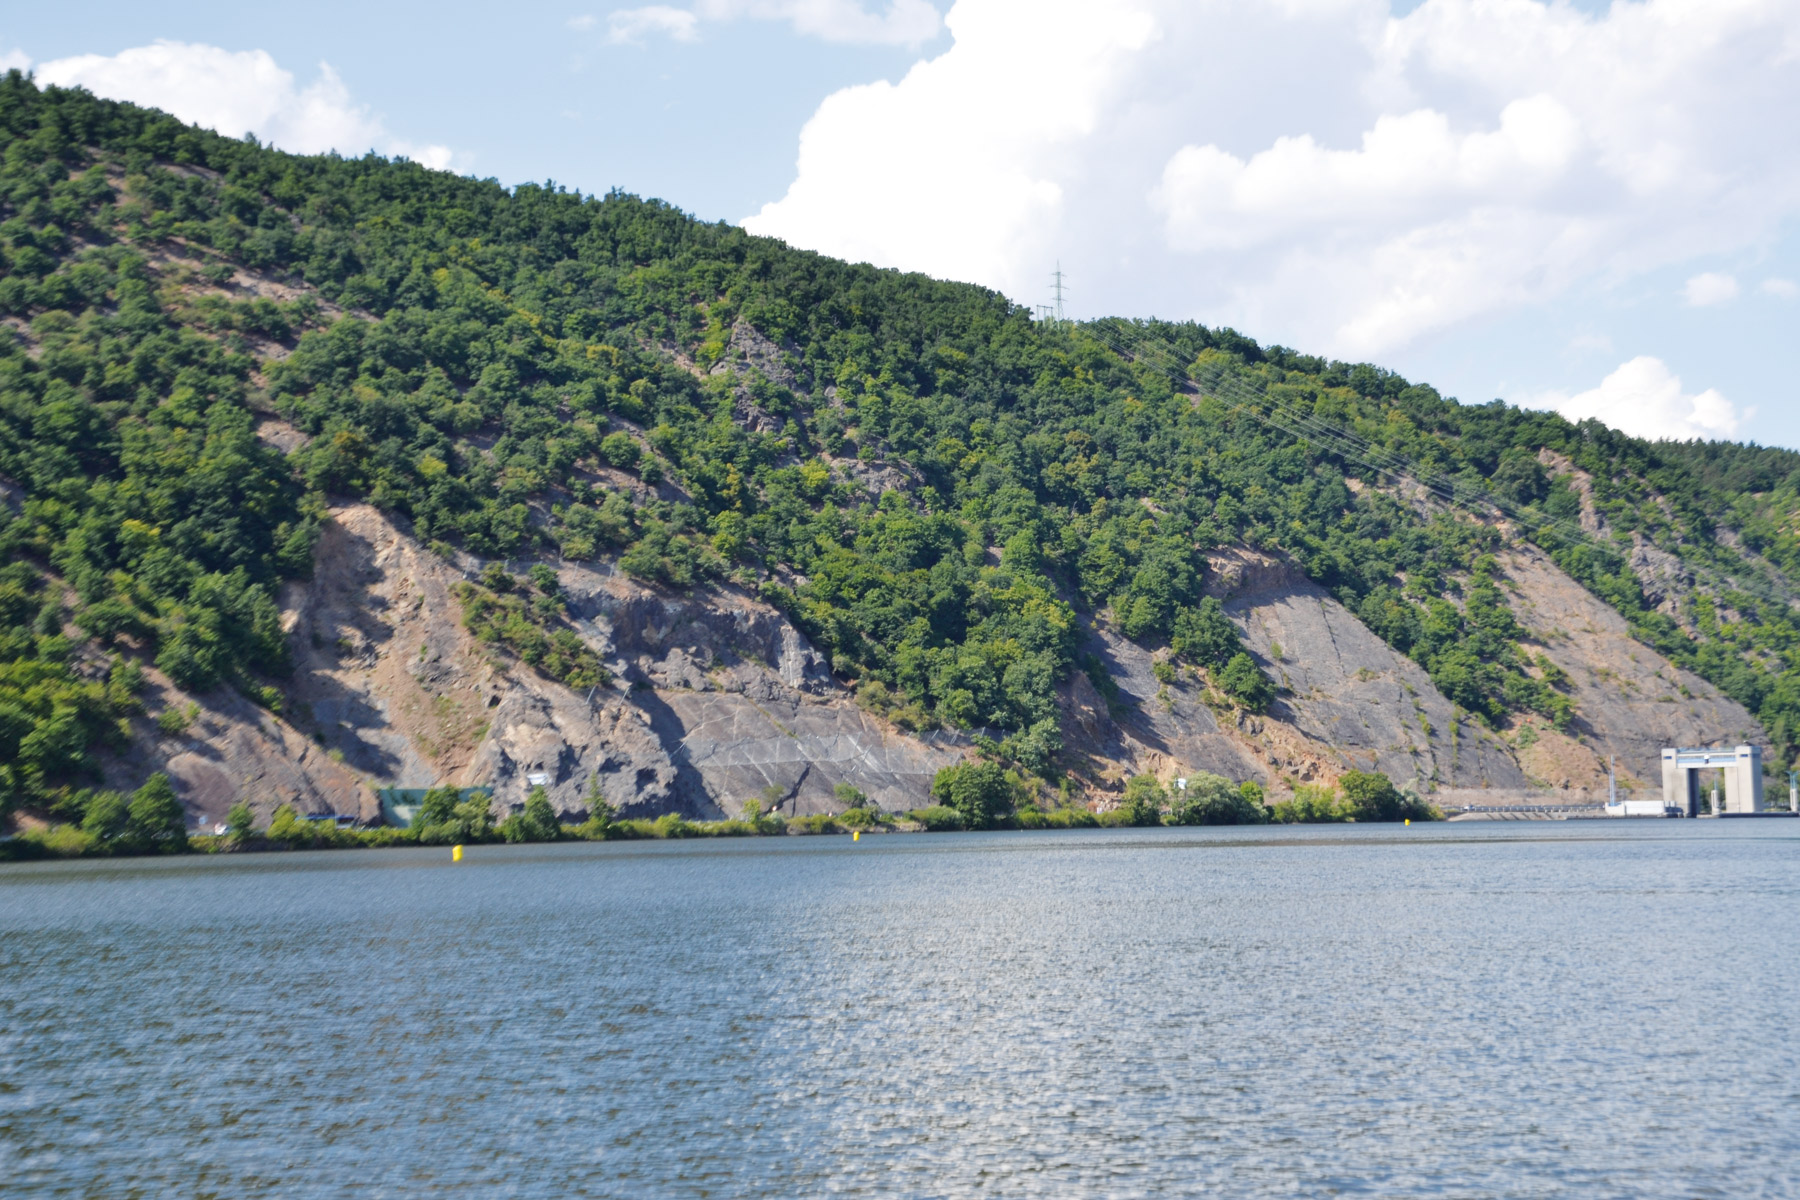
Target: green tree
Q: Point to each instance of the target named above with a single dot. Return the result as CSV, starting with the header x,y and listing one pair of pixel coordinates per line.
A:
x,y
1144,800
286,826
1244,682
105,818
1371,796
600,813
473,820
1205,635
978,791
156,819
1036,746
1212,800
537,823
620,450
437,806
1313,804
240,822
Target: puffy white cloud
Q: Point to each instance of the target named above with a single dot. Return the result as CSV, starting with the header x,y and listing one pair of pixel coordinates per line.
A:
x,y
1645,399
1785,289
1408,166
1709,288
1320,172
14,60
954,170
903,22
239,92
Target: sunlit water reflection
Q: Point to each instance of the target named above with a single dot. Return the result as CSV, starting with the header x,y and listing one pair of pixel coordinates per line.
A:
x,y
1520,1010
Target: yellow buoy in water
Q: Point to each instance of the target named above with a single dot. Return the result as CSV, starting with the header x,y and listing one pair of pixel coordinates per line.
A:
x,y
456,854
856,835
1409,820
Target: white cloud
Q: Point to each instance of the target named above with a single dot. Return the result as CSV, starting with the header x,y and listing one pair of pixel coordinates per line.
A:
x,y
583,23
952,170
1785,289
1709,288
1213,200
1645,399
14,60
634,24
1319,172
903,22
239,92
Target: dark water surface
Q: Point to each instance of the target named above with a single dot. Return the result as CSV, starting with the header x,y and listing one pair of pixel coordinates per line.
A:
x,y
1586,1008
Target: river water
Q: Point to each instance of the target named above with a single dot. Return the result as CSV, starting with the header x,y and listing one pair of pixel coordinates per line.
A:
x,y
1579,1008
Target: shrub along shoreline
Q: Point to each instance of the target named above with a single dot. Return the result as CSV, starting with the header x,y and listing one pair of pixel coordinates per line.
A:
x,y
967,797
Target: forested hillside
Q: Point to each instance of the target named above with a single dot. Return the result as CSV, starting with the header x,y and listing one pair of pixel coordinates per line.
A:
x,y
532,374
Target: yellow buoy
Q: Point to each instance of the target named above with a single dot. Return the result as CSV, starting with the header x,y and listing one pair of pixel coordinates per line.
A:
x,y
456,854
1409,820
856,835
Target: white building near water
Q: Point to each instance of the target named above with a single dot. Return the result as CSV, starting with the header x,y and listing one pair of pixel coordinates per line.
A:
x,y
1637,808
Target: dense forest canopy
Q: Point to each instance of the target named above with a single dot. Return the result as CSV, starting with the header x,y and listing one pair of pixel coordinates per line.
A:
x,y
487,363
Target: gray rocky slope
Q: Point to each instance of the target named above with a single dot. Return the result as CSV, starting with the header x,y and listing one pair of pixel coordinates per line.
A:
x,y
717,699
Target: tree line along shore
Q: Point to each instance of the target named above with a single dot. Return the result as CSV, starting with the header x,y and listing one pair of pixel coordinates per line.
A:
x,y
969,796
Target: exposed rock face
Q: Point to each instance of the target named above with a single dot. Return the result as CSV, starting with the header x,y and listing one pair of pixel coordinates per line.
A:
x,y
1165,731
750,354
749,350
717,699
232,750
1350,695
1663,576
1580,482
384,673
1348,701
1629,700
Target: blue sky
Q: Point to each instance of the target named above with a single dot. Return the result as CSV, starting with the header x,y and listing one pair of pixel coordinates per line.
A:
x,y
1583,206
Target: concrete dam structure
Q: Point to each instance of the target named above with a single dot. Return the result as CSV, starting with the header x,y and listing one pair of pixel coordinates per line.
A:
x,y
1741,766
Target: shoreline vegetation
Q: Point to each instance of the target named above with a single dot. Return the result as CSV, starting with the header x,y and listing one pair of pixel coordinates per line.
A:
x,y
967,797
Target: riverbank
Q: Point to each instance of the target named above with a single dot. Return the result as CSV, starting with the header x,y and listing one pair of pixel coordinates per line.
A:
x,y
70,842
970,797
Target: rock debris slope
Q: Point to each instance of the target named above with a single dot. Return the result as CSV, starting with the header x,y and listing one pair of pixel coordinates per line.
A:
x,y
1630,701
716,699
1348,701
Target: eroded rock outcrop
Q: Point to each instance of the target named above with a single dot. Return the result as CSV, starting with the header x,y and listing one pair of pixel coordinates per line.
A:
x,y
1630,701
228,750
716,699
1348,700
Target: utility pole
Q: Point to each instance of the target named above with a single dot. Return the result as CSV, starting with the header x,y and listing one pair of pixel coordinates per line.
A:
x,y
1612,783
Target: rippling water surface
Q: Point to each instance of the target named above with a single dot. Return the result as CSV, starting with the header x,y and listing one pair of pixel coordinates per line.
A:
x,y
1587,1008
